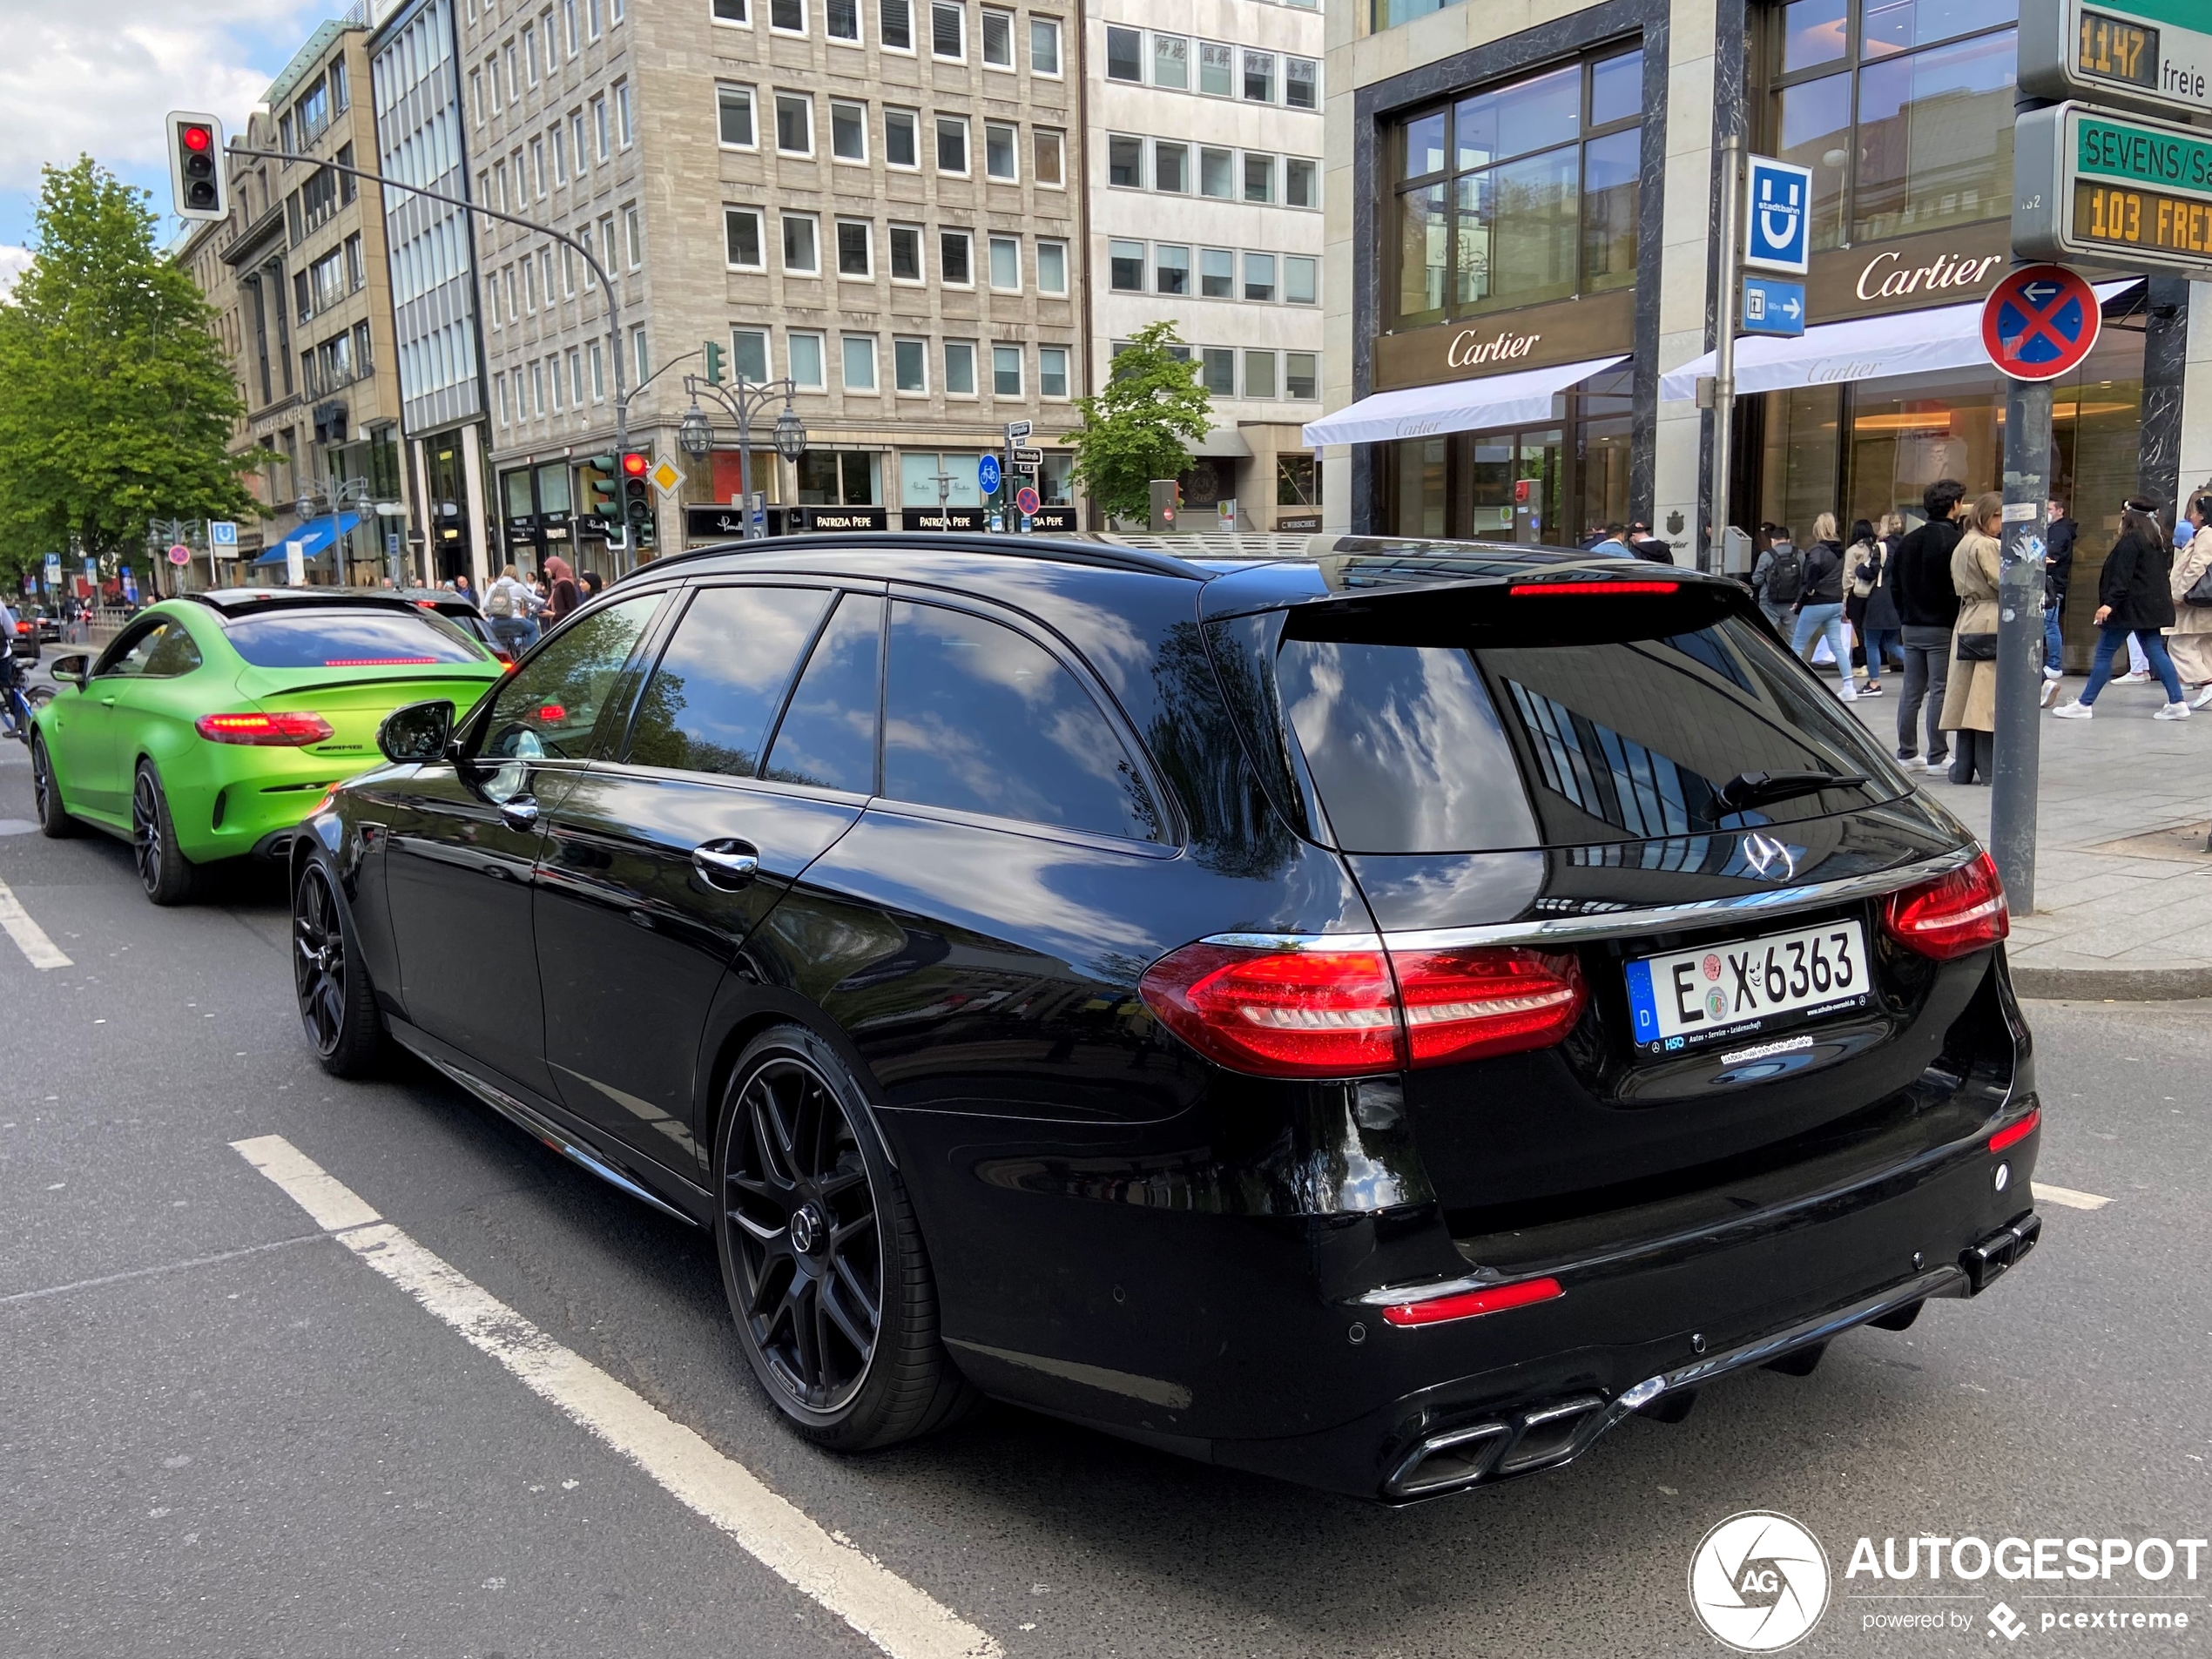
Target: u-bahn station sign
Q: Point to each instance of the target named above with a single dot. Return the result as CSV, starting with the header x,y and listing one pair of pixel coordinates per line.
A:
x,y
2097,188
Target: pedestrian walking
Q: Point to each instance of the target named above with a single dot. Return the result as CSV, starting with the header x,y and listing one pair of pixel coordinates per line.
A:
x,y
1970,695
1614,544
2058,573
1820,603
511,609
2134,601
1645,545
1878,623
2190,642
562,595
590,582
1777,577
1927,607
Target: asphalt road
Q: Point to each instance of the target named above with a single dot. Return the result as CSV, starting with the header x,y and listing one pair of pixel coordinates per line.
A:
x,y
222,1434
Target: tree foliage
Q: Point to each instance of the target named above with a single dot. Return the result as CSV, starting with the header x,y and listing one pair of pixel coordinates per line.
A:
x,y
1142,425
117,403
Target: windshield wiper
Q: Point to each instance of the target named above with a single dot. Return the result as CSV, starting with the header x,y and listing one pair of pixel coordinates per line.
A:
x,y
1749,789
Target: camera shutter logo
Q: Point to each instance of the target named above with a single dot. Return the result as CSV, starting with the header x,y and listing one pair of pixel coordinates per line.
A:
x,y
1759,1581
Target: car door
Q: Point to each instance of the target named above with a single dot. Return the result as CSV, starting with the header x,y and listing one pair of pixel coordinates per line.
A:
x,y
155,708
464,837
88,755
666,855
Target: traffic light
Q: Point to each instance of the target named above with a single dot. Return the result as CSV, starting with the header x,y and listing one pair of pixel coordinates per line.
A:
x,y
196,165
636,490
714,355
599,487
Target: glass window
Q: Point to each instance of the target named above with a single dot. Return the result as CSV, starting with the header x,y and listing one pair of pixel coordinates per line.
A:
x,y
552,704
800,255
960,367
1259,177
1301,182
1052,267
805,354
1616,89
788,14
1217,173
1934,148
1171,62
1302,83
841,20
952,144
1124,162
333,637
1005,264
748,356
849,131
1300,280
1517,231
1259,276
1217,371
1171,269
1259,76
894,25
1611,189
1216,274
860,362
724,11
1044,46
906,253
1813,32
1170,166
827,737
794,124
1259,374
1006,371
998,150
988,722
1301,374
947,30
1125,263
998,39
951,258
1216,68
855,251
741,236
720,681
1814,123
1046,162
1052,371
900,148
909,365
1124,54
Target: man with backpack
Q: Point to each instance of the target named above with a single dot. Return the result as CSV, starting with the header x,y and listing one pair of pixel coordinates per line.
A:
x,y
1777,581
1929,607
511,609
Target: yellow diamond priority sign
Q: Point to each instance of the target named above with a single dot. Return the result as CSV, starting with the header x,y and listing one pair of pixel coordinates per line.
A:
x,y
667,477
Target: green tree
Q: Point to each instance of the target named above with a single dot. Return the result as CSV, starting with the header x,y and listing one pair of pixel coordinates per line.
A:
x,y
1142,425
117,404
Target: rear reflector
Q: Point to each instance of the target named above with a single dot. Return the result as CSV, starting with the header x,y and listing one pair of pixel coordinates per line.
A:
x,y
1338,1014
280,730
1492,1299
2012,1134
1953,915
1540,590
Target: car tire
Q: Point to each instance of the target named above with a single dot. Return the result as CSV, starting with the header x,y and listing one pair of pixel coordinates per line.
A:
x,y
167,875
54,821
330,982
812,1222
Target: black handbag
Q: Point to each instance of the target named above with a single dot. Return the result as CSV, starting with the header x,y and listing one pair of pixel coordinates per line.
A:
x,y
1977,648
2201,594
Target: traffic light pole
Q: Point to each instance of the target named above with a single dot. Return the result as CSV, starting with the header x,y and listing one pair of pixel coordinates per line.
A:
x,y
606,286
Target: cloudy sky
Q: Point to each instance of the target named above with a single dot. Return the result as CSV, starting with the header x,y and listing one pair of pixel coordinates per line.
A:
x,y
96,76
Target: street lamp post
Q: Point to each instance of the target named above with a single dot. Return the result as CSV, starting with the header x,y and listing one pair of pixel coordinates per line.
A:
x,y
696,435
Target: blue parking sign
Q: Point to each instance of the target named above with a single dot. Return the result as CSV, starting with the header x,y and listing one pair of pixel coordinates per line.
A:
x,y
1778,211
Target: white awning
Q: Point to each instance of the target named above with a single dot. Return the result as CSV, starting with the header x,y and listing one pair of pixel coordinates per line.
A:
x,y
1866,348
1222,441
1456,406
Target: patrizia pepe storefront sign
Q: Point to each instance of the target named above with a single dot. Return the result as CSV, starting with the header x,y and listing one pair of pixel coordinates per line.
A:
x,y
1535,337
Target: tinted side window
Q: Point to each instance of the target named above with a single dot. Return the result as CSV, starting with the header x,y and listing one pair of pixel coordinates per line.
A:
x,y
128,654
709,703
174,653
827,737
551,706
982,720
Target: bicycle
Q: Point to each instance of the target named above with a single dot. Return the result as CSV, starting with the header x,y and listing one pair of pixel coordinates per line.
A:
x,y
18,709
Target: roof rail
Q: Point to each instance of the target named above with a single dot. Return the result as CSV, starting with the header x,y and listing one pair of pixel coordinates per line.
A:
x,y
1055,549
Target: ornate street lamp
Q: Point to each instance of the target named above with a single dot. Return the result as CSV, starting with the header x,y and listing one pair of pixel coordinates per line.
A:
x,y
694,434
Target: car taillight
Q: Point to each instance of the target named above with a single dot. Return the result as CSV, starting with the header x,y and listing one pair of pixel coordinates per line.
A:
x,y
1340,1014
2012,1134
268,730
1953,916
1466,1304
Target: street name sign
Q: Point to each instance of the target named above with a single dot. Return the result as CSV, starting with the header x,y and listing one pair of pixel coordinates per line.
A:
x,y
1026,457
2041,322
2112,189
1016,430
1778,211
1773,308
2149,55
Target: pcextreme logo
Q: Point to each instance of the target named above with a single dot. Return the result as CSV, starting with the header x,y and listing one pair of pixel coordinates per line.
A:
x,y
1759,1581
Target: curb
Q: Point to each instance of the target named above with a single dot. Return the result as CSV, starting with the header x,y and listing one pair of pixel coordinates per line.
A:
x,y
2112,984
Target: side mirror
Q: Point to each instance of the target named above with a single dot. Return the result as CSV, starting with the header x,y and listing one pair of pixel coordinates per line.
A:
x,y
418,732
74,669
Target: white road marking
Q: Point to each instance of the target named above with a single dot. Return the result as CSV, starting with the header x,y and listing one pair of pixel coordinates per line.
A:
x,y
904,1622
2067,1197
30,939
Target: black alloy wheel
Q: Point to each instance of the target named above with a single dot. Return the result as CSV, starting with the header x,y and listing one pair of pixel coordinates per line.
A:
x,y
821,1258
165,873
337,1003
54,821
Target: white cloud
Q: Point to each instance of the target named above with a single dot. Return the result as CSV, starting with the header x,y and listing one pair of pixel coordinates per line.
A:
x,y
12,261
95,79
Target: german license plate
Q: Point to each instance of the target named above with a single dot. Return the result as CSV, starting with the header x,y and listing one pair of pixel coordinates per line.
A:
x,y
1687,999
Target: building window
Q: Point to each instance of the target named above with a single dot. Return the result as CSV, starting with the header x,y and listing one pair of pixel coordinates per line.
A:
x,y
625,128
1302,83
558,142
1171,62
952,144
1124,55
741,236
633,236
1259,276
575,376
600,131
476,95
1171,268
1216,274
749,354
947,30
640,360
1216,68
1052,371
841,20
598,371
855,249
1299,285
1259,76
906,253
1525,192
909,366
1259,177
733,107
1124,162
575,133
1006,371
1301,182
999,140
900,148
730,11
530,54
1301,374
553,366
1259,374
1044,47
1047,163
998,39
894,25
1052,267
538,168
960,367
1005,264
848,131
794,124
805,352
860,362
952,261
787,16
1125,266
506,409
1170,166
1217,173
800,256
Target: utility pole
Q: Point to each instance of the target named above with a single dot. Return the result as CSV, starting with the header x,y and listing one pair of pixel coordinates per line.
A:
x,y
1724,349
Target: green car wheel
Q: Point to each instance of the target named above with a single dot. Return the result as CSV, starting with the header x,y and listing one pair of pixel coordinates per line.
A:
x,y
167,874
54,821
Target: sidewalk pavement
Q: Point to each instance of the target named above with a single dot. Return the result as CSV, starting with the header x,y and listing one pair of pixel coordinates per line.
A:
x,y
2123,880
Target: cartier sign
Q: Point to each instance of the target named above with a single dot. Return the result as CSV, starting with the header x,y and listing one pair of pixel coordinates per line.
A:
x,y
1569,331
1937,269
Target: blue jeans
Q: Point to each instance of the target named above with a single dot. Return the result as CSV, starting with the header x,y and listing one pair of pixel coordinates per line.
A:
x,y
1880,642
518,634
1814,620
2053,647
2110,640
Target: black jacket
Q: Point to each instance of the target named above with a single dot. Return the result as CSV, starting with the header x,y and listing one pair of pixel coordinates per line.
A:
x,y
2134,582
1824,574
2058,567
1652,549
1921,573
1881,604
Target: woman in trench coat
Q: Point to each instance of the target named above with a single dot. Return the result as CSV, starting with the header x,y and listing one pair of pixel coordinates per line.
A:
x,y
1970,698
2190,641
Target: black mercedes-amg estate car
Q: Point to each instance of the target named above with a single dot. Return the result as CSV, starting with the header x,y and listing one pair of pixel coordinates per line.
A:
x,y
1377,1019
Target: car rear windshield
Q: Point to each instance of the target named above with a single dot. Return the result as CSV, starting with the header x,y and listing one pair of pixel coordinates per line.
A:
x,y
1429,734
334,637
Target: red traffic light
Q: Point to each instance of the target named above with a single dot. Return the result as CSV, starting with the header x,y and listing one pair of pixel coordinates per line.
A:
x,y
634,465
195,137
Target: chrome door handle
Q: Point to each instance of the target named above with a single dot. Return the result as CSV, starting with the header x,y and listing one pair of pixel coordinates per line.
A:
x,y
519,813
722,866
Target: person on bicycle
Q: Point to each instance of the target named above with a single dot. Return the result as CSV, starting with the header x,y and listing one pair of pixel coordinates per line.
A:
x,y
10,696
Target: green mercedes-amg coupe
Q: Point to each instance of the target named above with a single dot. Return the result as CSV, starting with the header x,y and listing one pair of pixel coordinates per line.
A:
x,y
214,724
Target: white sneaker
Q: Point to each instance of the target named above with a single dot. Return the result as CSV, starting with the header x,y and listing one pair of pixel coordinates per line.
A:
x,y
1848,693
2050,693
2172,712
2054,673
1911,763
2141,677
2076,711
2203,698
